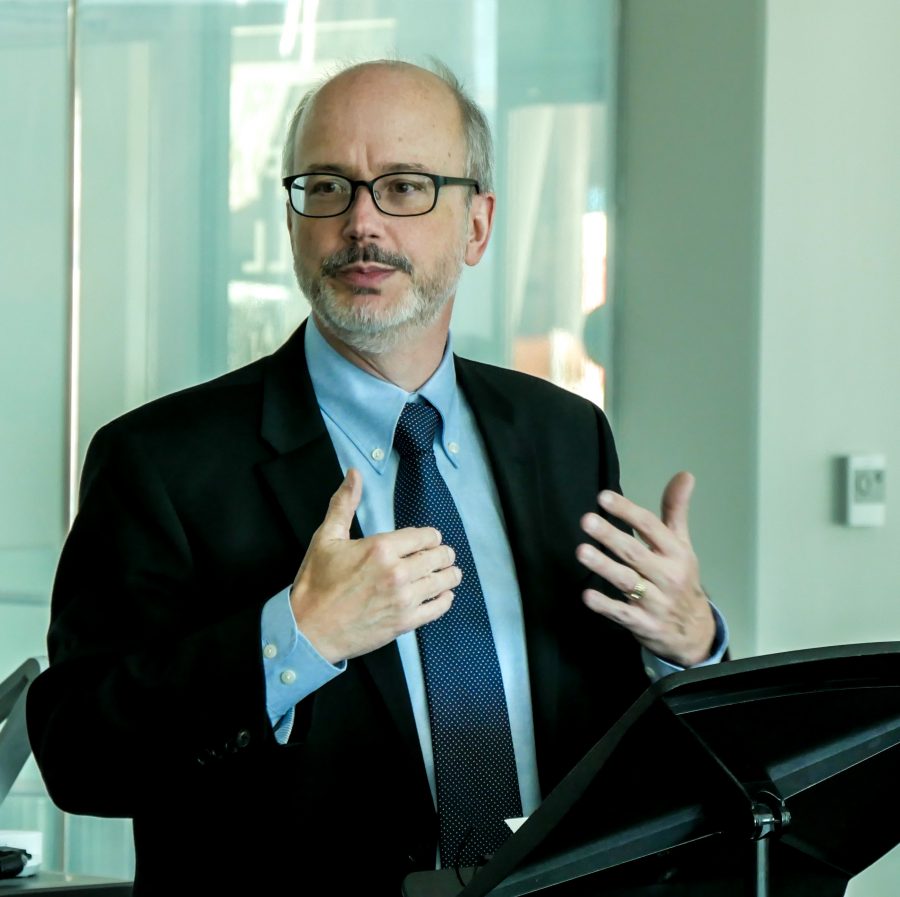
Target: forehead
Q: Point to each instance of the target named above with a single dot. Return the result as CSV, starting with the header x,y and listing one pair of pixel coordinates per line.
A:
x,y
376,117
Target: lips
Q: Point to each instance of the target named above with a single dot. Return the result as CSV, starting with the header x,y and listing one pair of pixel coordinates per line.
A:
x,y
363,275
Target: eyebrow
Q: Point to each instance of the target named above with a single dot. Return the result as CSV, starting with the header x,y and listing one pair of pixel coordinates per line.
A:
x,y
387,169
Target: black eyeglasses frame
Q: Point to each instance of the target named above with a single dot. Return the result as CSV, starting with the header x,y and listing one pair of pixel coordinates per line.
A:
x,y
439,181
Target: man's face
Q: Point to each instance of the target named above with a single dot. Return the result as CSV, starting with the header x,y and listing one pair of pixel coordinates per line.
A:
x,y
373,279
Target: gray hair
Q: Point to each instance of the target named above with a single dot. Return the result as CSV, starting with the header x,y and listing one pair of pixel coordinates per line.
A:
x,y
477,132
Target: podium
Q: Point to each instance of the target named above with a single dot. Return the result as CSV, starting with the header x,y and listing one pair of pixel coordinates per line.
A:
x,y
773,776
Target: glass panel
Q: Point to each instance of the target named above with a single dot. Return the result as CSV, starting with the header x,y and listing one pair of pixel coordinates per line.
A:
x,y
33,304
28,809
556,238
33,360
184,263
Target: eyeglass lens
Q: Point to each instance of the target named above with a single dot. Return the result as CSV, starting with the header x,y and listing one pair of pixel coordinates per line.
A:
x,y
401,193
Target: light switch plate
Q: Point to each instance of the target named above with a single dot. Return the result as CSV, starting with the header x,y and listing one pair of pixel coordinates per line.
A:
x,y
865,484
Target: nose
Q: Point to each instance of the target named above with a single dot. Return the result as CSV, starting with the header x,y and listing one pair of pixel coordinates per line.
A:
x,y
364,220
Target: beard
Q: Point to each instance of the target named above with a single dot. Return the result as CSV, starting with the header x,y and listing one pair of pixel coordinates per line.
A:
x,y
365,327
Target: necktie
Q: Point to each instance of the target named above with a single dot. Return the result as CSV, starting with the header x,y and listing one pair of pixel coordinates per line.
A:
x,y
474,765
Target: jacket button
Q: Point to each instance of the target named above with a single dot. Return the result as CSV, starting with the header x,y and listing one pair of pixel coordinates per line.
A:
x,y
242,739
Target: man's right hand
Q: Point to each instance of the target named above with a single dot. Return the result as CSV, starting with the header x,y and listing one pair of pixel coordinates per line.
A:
x,y
352,596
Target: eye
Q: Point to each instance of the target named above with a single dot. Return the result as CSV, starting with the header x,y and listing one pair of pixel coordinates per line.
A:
x,y
324,186
405,185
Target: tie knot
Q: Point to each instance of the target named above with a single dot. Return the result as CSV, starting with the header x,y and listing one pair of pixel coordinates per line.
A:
x,y
416,428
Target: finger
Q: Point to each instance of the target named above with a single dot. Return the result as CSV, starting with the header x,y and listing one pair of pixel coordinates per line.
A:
x,y
431,610
412,539
628,550
650,528
421,563
623,578
426,588
631,616
676,502
342,507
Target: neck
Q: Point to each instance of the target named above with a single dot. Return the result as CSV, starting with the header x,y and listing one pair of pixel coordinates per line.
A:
x,y
410,364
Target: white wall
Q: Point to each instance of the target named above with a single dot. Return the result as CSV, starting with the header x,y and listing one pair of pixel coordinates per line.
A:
x,y
829,361
686,275
758,282
830,313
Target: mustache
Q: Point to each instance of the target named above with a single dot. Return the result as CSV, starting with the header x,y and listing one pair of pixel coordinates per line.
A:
x,y
332,264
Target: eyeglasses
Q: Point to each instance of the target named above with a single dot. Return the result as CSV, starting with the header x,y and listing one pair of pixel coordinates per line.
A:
x,y
319,194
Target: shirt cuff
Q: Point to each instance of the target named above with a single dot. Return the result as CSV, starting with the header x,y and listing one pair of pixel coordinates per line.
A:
x,y
656,668
293,668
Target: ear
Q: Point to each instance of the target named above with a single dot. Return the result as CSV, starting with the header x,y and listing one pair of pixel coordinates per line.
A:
x,y
289,218
481,222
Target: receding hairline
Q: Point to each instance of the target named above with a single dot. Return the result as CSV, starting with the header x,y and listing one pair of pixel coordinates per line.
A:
x,y
307,104
478,147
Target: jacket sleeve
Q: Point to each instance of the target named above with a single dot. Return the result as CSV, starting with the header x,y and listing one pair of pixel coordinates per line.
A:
x,y
152,679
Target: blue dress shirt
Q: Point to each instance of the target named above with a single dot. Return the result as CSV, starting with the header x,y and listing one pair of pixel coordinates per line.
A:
x,y
360,412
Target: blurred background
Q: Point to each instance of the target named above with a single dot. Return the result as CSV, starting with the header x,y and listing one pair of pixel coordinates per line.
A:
x,y
699,214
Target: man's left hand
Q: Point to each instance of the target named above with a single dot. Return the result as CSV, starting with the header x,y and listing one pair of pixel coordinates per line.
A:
x,y
667,610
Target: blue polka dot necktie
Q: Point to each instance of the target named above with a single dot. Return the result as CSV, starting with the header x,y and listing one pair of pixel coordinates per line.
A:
x,y
474,763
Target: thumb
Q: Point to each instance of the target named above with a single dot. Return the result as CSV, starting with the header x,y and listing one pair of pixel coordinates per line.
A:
x,y
676,501
342,507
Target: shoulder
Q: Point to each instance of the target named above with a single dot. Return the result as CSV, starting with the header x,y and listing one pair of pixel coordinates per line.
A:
x,y
222,418
556,421
525,391
195,410
232,400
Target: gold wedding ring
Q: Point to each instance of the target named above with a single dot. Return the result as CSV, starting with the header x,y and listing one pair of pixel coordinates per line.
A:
x,y
639,590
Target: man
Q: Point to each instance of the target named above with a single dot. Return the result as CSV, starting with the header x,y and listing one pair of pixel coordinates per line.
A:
x,y
285,730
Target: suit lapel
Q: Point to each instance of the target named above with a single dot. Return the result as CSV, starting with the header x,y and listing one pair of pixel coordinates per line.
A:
x,y
302,477
305,471
515,467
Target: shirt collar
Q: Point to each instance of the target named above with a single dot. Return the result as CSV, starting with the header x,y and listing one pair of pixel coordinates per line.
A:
x,y
366,409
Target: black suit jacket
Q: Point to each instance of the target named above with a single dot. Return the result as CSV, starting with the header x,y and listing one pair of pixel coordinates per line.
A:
x,y
196,509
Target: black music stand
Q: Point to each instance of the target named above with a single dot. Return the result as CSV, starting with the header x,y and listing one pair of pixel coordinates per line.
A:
x,y
773,776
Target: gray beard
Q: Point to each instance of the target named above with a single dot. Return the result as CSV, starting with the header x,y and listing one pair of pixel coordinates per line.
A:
x,y
377,332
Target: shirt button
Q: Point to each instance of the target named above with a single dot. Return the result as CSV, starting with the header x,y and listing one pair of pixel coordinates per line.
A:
x,y
270,651
378,454
651,673
288,676
453,448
